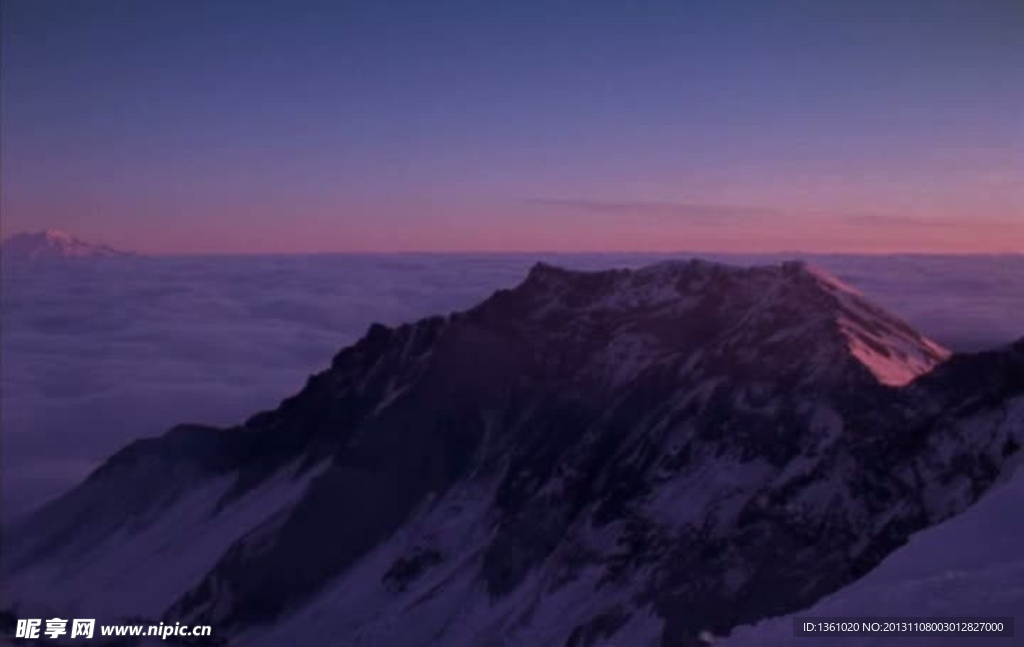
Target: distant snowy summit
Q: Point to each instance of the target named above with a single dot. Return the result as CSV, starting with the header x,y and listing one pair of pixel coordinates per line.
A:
x,y
55,244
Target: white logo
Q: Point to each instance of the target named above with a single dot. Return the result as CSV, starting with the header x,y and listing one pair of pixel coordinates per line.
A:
x,y
27,629
56,627
82,628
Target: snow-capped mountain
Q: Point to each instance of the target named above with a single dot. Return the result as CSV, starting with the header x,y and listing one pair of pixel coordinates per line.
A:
x,y
54,244
642,457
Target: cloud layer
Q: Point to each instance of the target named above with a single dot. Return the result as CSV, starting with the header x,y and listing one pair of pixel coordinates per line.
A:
x,y
98,353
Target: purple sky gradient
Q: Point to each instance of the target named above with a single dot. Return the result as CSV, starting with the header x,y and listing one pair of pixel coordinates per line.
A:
x,y
194,127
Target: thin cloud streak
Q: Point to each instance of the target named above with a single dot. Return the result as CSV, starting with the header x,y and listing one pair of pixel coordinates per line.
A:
x,y
879,220
700,213
692,211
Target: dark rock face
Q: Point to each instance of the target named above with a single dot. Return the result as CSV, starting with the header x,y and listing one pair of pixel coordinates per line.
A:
x,y
717,444
407,569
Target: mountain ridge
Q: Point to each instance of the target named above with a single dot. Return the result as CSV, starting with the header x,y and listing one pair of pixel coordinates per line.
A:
x,y
648,439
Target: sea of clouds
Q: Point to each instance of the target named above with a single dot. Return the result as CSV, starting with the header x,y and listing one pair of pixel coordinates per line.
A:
x,y
98,352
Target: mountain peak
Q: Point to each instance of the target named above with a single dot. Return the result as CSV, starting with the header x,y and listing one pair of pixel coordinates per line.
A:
x,y
742,307
58,235
54,244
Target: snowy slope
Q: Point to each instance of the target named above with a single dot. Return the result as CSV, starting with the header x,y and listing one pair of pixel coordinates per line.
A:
x,y
972,565
893,351
143,567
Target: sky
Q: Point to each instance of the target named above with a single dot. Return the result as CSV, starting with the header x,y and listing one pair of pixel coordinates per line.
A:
x,y
307,126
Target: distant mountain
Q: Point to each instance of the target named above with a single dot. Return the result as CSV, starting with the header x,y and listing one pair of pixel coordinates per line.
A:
x,y
54,244
618,457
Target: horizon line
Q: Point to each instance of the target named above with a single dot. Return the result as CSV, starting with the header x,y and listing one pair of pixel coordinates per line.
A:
x,y
126,254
